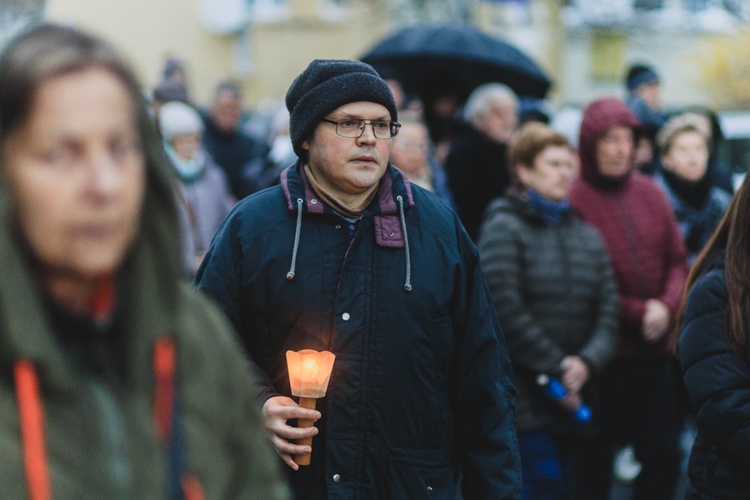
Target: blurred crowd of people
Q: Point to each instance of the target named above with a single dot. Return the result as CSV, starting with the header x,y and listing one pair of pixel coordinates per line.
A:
x,y
586,235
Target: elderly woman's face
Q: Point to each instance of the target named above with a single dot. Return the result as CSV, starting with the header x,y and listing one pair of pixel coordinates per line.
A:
x,y
552,174
77,172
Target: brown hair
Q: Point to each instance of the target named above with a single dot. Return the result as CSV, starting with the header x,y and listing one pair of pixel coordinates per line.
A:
x,y
733,237
526,144
48,51
45,52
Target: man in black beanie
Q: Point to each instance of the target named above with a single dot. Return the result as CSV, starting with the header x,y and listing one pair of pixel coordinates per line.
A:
x,y
347,256
644,96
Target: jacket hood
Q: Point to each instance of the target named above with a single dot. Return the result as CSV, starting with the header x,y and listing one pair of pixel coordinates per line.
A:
x,y
598,117
146,283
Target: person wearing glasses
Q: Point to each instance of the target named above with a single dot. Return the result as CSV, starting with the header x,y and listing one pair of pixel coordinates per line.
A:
x,y
345,255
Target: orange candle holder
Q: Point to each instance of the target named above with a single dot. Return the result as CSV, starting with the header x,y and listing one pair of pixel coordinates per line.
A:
x,y
309,374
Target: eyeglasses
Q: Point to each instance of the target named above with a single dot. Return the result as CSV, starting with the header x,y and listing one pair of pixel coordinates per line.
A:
x,y
382,129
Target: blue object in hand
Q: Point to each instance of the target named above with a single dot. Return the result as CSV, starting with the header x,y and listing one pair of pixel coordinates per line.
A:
x,y
556,391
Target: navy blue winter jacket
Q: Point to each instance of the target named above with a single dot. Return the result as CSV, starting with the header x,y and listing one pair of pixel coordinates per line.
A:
x,y
422,382
718,383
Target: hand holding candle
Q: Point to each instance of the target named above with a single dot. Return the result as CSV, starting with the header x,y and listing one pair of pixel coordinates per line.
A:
x,y
309,373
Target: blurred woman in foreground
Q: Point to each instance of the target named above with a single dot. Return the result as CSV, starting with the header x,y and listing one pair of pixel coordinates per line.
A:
x,y
117,382
715,357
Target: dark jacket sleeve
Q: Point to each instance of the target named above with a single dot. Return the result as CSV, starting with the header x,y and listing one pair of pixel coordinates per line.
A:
x,y
220,277
501,251
483,390
716,378
600,348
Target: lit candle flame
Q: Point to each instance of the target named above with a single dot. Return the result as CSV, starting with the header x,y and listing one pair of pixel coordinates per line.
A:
x,y
309,372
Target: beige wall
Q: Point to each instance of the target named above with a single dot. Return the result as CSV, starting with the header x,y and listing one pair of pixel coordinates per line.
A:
x,y
146,31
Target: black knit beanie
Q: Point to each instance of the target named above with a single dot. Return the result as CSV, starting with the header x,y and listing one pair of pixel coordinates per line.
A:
x,y
640,74
324,86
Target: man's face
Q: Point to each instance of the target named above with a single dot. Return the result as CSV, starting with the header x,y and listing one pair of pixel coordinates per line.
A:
x,y
349,166
499,121
651,94
410,148
226,112
614,152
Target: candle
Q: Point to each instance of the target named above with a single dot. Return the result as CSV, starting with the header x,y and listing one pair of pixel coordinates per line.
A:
x,y
309,373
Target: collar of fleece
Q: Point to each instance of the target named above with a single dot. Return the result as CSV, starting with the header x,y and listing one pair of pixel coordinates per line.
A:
x,y
598,117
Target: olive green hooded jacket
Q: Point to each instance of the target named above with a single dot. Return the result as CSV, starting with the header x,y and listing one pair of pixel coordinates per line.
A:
x,y
99,428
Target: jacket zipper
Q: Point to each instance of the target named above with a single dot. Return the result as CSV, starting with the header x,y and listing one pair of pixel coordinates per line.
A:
x,y
112,425
566,263
630,236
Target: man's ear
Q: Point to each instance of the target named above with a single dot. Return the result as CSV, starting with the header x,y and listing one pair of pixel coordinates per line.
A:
x,y
305,145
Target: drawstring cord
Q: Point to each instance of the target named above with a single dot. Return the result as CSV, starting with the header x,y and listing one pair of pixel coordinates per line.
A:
x,y
297,231
407,283
31,420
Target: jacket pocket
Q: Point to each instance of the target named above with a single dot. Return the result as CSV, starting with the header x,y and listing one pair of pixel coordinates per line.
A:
x,y
419,474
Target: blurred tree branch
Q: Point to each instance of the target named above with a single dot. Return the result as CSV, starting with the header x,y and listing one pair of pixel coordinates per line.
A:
x,y
725,70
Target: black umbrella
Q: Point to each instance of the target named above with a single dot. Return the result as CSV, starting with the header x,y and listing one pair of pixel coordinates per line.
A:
x,y
424,57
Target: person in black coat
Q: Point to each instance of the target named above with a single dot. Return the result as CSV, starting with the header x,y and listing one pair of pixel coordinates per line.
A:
x,y
229,146
477,166
713,349
346,255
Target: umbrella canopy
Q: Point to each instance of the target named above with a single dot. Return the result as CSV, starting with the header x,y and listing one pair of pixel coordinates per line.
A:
x,y
456,55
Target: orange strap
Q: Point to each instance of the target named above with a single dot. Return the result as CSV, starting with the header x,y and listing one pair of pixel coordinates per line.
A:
x,y
104,297
191,488
31,418
165,365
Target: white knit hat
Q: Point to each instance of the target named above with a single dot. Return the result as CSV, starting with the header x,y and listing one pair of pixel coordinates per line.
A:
x,y
177,118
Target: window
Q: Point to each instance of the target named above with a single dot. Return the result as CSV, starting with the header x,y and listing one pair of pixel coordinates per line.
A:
x,y
648,4
332,10
269,10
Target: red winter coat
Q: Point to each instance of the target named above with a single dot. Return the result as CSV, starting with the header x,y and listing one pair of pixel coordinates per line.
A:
x,y
636,222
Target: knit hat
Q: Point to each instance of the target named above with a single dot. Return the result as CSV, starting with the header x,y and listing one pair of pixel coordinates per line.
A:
x,y
177,118
327,84
640,74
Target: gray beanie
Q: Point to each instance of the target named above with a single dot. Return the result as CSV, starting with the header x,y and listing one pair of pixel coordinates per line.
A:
x,y
177,118
326,85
